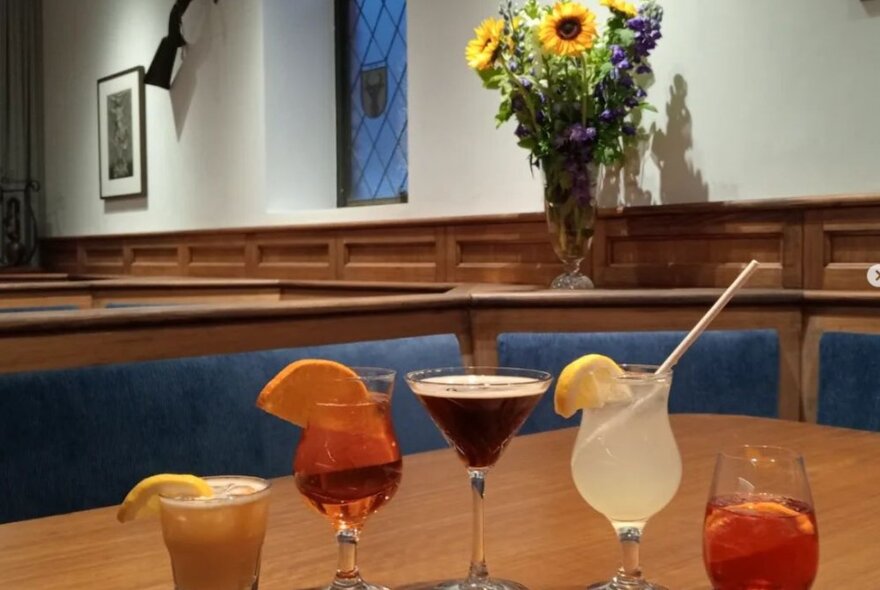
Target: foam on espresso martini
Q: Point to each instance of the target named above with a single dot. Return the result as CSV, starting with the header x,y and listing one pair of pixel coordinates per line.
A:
x,y
479,414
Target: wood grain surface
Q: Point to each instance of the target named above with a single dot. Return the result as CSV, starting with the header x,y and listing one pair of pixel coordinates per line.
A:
x,y
539,531
815,243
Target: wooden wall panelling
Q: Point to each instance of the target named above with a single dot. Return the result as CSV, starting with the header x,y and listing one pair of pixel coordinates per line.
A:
x,y
411,254
518,253
102,257
30,350
78,299
698,250
804,243
488,323
183,296
841,244
154,258
60,255
294,255
221,256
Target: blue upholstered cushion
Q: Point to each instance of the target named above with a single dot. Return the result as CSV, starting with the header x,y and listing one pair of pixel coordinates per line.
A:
x,y
37,308
733,372
80,438
849,380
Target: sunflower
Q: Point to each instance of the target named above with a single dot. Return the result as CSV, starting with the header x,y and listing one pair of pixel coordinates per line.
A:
x,y
482,50
621,7
569,29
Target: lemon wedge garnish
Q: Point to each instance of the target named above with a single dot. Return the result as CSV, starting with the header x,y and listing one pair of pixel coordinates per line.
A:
x,y
588,382
143,498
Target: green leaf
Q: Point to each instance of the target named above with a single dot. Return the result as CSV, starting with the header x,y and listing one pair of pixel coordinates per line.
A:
x,y
491,77
505,111
625,37
646,106
528,143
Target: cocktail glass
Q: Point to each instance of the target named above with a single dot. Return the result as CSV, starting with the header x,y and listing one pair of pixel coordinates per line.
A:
x,y
626,464
479,410
215,542
348,465
760,529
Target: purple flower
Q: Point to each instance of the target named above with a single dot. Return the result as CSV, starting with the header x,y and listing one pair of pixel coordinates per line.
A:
x,y
577,133
580,187
518,103
644,69
607,116
647,28
525,83
617,54
539,117
629,130
522,131
632,102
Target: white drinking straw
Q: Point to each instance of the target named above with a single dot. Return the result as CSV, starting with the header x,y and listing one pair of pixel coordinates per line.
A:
x,y
670,362
707,319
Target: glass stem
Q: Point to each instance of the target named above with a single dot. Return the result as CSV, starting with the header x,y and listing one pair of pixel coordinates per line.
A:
x,y
572,265
630,573
347,573
478,571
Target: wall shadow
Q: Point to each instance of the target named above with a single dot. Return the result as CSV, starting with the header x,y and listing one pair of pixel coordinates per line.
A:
x,y
680,180
123,204
871,7
197,30
658,170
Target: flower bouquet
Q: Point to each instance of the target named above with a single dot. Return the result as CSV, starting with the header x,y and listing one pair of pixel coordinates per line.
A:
x,y
577,94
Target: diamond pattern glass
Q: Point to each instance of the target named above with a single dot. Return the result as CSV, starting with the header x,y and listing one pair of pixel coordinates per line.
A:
x,y
376,71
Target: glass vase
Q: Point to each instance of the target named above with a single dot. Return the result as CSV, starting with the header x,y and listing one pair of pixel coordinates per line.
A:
x,y
571,215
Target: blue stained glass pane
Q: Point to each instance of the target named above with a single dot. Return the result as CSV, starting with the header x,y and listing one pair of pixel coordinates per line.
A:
x,y
377,136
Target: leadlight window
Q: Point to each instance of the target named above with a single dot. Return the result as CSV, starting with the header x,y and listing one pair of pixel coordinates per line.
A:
x,y
371,101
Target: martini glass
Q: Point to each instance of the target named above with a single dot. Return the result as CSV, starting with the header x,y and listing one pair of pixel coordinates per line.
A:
x,y
479,410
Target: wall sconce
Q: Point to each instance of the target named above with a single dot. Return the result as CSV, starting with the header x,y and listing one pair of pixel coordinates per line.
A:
x,y
162,66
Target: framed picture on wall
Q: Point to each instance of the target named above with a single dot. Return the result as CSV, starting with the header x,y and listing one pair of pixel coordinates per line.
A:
x,y
122,140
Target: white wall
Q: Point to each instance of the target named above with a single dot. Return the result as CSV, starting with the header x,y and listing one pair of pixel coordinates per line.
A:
x,y
205,138
757,99
300,78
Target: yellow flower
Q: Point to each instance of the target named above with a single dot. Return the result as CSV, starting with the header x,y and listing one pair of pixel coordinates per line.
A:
x,y
482,51
569,29
621,6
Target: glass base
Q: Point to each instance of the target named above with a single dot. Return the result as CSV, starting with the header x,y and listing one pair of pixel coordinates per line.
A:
x,y
354,585
485,584
625,585
573,281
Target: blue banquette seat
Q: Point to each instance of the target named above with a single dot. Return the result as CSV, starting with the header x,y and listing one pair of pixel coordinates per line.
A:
x,y
849,380
724,372
80,438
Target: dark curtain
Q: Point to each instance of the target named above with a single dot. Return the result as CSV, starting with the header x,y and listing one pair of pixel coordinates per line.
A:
x,y
21,117
20,89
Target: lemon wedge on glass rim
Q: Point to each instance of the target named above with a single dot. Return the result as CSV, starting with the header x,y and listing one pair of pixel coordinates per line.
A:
x,y
143,499
588,382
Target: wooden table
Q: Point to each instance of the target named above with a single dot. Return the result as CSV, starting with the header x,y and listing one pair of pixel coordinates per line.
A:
x,y
540,532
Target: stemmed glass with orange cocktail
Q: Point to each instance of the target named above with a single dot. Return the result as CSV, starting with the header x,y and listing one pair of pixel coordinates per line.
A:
x,y
347,463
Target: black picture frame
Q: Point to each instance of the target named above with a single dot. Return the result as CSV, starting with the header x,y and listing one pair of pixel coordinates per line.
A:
x,y
123,94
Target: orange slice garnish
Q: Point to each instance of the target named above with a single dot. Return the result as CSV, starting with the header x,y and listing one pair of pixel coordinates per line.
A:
x,y
292,394
803,521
